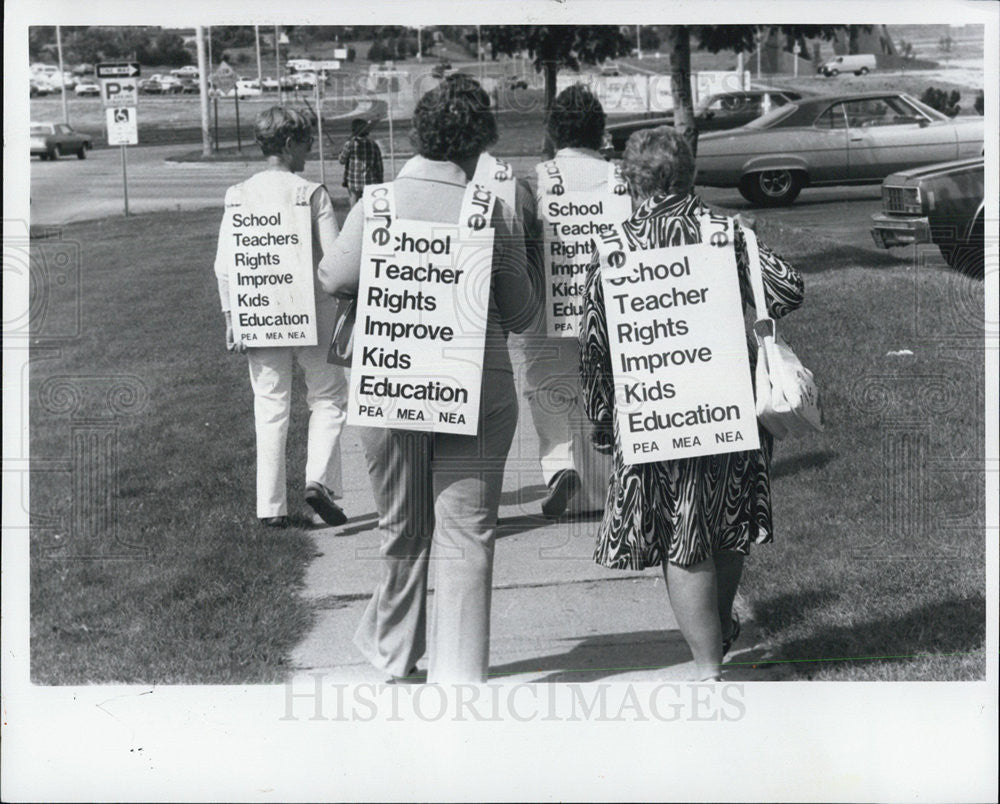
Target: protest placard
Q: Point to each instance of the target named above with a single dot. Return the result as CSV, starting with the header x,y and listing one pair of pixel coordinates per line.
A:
x,y
271,292
571,221
423,298
679,349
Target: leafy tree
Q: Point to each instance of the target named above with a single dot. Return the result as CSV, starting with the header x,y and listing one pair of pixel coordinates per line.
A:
x,y
716,38
168,48
555,46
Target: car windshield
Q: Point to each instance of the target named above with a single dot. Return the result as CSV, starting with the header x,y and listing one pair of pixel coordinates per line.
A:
x,y
773,116
933,114
41,129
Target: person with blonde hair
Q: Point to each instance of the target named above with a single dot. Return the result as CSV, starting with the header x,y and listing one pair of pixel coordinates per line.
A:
x,y
285,136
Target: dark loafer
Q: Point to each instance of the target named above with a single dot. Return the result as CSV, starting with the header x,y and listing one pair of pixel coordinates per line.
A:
x,y
734,634
274,521
562,489
318,497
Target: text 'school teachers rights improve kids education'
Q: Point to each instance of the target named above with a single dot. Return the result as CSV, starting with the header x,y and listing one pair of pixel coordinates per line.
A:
x,y
423,297
571,221
271,290
678,347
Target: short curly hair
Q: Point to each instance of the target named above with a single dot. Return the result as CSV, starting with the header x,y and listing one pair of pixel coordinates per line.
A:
x,y
658,160
275,125
454,120
576,119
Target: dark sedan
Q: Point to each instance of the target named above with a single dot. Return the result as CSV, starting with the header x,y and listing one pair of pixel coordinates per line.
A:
x,y
719,112
941,204
52,140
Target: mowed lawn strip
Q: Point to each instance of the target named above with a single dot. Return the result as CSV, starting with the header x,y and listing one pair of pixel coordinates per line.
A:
x,y
879,540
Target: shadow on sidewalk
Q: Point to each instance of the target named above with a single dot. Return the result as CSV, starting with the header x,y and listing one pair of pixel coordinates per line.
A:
x,y
603,656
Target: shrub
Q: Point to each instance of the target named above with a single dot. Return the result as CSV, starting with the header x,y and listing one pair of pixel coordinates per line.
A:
x,y
942,100
980,101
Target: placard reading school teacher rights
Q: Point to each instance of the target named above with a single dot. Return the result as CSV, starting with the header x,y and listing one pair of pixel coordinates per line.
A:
x,y
679,351
421,328
271,291
571,223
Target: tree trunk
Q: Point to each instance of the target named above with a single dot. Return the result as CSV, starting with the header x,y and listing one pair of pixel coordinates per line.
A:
x,y
680,84
551,68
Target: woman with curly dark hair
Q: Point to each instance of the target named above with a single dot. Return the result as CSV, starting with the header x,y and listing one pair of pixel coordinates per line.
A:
x,y
438,493
576,475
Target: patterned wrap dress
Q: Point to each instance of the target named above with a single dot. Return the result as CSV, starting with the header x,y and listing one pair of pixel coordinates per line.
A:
x,y
684,510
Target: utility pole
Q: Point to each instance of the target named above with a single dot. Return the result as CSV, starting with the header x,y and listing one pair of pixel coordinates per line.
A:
x,y
277,66
206,137
638,42
260,72
760,41
420,50
479,51
62,75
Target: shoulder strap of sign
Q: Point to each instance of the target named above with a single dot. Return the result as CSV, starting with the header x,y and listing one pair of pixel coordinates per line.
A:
x,y
498,175
616,179
304,193
476,214
379,206
549,177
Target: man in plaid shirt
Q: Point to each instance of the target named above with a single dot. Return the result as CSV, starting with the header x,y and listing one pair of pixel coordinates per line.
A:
x,y
362,161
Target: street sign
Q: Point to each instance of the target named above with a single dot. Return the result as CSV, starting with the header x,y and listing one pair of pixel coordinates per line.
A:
x,y
224,78
320,66
340,53
119,92
118,69
388,73
123,127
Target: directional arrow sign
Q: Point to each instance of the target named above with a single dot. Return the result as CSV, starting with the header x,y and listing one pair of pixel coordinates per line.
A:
x,y
118,69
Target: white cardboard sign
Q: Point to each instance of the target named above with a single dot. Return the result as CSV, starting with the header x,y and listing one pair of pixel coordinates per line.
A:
x,y
571,222
271,292
679,350
420,331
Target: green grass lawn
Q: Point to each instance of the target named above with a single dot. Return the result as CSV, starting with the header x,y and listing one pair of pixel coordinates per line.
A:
x,y
879,549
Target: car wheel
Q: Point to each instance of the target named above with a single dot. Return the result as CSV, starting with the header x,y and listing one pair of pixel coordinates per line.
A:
x,y
833,73
771,188
57,152
82,153
863,71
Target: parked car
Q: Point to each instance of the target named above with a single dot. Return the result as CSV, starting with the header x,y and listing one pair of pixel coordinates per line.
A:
x,y
246,88
38,88
187,71
943,204
88,87
150,86
169,85
52,140
857,63
717,112
269,84
190,86
833,140
305,80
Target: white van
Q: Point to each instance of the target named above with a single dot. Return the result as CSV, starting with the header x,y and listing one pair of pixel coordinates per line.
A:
x,y
859,64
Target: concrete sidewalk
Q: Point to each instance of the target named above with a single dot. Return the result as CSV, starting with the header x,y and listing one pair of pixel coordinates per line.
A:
x,y
557,616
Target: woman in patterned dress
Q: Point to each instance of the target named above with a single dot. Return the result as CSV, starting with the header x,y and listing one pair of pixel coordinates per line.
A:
x,y
696,517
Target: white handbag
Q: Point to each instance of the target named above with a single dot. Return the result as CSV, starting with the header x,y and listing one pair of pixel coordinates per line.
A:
x,y
787,396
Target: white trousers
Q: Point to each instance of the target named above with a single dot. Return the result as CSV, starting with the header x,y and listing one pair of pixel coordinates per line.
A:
x,y
551,387
271,372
